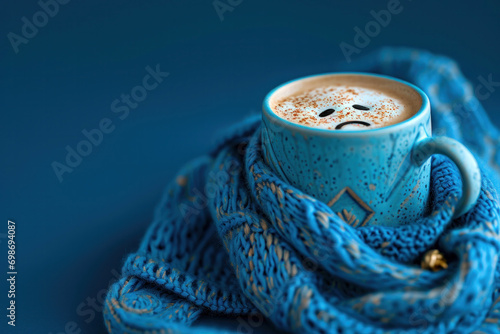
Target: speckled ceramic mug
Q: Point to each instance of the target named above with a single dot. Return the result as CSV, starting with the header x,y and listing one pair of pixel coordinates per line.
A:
x,y
369,177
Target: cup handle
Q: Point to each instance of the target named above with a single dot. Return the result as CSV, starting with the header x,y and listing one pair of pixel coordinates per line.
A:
x,y
466,163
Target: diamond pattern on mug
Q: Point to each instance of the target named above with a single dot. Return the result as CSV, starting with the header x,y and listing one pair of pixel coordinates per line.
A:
x,y
351,208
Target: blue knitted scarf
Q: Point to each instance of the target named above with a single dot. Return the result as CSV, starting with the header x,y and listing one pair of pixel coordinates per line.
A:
x,y
229,238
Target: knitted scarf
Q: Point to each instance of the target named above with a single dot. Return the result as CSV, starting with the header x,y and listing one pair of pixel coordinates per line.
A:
x,y
229,238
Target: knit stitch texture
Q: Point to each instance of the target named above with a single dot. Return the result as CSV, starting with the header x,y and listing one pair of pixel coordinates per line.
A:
x,y
229,238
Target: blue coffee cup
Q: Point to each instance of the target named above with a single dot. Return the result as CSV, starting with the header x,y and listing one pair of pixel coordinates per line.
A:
x,y
376,176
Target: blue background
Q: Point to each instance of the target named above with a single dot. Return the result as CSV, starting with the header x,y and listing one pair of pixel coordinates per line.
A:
x,y
71,235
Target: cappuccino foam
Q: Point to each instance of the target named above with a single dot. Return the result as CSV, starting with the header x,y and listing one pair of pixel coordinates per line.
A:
x,y
346,102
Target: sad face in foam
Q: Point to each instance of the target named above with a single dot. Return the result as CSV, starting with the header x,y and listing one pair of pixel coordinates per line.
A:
x,y
341,108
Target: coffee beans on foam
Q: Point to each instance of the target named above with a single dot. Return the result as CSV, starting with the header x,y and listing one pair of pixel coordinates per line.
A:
x,y
360,104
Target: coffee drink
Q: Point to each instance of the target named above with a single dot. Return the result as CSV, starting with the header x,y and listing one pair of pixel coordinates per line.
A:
x,y
346,102
367,177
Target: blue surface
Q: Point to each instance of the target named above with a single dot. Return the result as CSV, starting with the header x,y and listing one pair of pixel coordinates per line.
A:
x,y
71,234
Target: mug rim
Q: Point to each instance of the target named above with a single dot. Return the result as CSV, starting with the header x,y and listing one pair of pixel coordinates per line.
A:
x,y
267,110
